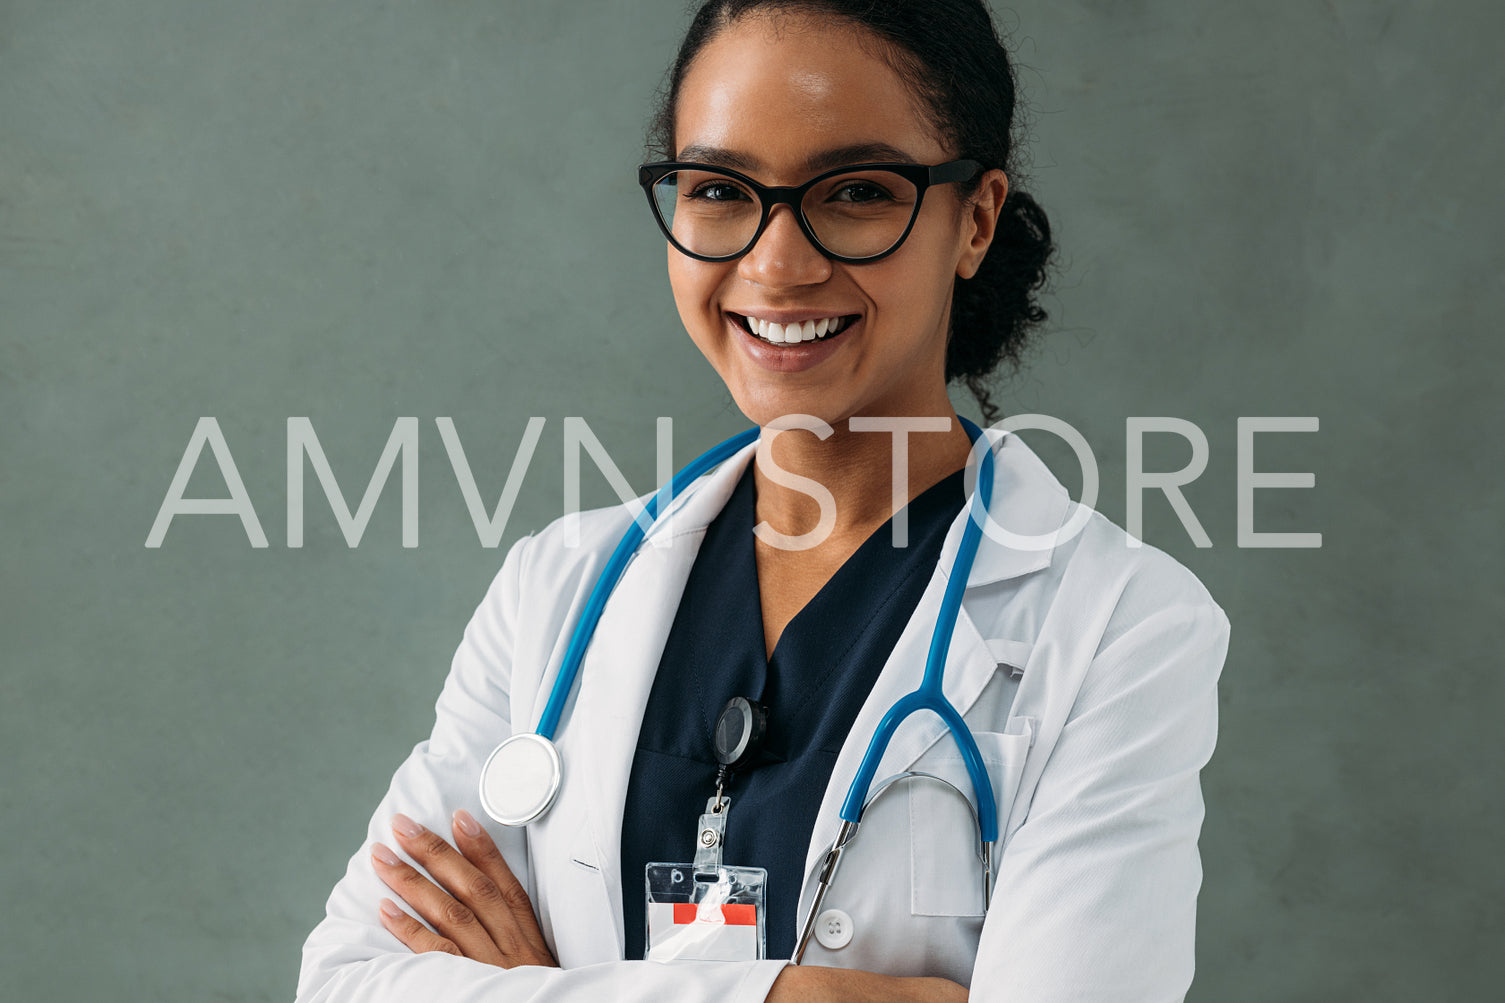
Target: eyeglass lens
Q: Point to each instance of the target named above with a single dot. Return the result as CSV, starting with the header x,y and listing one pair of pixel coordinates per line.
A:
x,y
853,215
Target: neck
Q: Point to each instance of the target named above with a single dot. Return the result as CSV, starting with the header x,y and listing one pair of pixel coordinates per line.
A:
x,y
857,468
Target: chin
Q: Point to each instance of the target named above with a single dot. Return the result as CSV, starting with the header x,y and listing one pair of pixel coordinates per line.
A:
x,y
760,409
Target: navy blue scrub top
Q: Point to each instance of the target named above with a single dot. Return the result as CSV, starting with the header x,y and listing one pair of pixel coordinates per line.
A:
x,y
821,671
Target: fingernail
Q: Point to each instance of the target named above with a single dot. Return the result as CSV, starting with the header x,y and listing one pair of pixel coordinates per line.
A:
x,y
467,823
386,856
391,908
405,826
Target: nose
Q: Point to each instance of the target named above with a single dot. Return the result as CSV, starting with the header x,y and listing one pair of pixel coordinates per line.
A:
x,y
783,255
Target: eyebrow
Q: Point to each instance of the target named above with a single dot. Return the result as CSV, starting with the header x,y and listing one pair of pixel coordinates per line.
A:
x,y
856,153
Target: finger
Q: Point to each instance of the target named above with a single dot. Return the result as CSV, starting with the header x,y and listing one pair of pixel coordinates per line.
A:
x,y
415,935
453,919
503,922
478,847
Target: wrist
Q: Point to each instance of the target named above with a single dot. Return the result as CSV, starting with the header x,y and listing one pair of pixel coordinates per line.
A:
x,y
817,984
821,984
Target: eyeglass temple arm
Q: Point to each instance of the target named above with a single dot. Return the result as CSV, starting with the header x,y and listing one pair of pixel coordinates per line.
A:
x,y
957,170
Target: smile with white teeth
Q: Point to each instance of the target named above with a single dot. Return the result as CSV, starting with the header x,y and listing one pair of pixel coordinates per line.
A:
x,y
786,334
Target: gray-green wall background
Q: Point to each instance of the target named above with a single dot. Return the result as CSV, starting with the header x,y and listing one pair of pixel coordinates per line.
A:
x,y
357,211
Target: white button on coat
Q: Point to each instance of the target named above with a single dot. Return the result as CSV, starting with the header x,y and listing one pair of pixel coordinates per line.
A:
x,y
1099,805
833,929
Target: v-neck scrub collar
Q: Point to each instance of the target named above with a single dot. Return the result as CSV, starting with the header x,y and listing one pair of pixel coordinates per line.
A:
x,y
814,684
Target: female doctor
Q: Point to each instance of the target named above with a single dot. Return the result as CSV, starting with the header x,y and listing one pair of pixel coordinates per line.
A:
x,y
1083,664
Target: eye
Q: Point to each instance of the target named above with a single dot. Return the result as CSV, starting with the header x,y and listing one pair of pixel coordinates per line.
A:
x,y
717,191
861,191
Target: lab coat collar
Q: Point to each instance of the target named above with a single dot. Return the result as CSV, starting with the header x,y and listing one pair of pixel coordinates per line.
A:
x,y
1027,500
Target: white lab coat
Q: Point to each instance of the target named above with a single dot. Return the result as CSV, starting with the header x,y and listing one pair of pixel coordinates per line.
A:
x,y
1087,671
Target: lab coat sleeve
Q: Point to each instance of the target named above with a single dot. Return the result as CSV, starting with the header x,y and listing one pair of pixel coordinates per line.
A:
x,y
1096,892
351,958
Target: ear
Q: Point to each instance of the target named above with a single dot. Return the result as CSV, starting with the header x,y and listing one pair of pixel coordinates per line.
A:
x,y
980,221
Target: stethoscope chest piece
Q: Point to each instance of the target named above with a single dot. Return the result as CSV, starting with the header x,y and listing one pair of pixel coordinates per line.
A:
x,y
520,779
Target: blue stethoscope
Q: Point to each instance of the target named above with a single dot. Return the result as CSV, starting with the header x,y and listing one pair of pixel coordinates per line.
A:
x,y
522,776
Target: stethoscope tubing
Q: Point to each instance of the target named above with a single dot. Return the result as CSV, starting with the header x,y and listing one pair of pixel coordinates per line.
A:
x,y
930,695
595,605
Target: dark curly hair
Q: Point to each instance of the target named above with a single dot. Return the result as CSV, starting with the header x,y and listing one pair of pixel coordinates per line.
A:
x,y
950,56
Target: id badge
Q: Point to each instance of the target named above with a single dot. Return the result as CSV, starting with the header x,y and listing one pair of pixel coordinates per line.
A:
x,y
705,913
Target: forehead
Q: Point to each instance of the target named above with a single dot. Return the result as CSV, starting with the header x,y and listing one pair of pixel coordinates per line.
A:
x,y
778,94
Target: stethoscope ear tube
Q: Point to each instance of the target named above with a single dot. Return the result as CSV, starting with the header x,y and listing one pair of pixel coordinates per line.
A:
x,y
823,884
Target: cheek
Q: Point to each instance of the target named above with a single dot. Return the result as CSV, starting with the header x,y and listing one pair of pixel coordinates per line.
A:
x,y
694,284
679,281
931,275
911,288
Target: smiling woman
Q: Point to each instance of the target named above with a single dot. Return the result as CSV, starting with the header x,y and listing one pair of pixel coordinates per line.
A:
x,y
843,241
735,103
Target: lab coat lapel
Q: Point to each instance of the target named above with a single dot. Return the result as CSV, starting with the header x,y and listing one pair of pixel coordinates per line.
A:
x,y
619,667
1027,500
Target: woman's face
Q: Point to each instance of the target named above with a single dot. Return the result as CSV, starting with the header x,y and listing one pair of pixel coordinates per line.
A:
x,y
773,102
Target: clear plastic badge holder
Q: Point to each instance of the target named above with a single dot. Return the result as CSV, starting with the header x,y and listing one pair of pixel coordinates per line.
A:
x,y
705,913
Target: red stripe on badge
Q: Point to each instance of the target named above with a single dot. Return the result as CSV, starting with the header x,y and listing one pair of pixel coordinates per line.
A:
x,y
740,915
734,915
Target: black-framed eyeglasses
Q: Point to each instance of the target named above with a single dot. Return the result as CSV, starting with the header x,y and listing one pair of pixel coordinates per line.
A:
x,y
852,214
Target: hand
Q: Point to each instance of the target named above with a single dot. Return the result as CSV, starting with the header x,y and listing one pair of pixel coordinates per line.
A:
x,y
816,984
481,912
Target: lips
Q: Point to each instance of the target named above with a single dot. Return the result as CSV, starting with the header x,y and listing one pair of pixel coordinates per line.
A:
x,y
793,331
791,357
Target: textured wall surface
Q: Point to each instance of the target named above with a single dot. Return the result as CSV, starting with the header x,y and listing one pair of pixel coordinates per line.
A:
x,y
359,211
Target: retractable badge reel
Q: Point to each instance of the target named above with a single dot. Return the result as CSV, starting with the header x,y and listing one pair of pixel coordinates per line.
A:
x,y
707,910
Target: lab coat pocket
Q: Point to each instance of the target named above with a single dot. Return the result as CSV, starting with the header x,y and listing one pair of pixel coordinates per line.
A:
x,y
945,872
